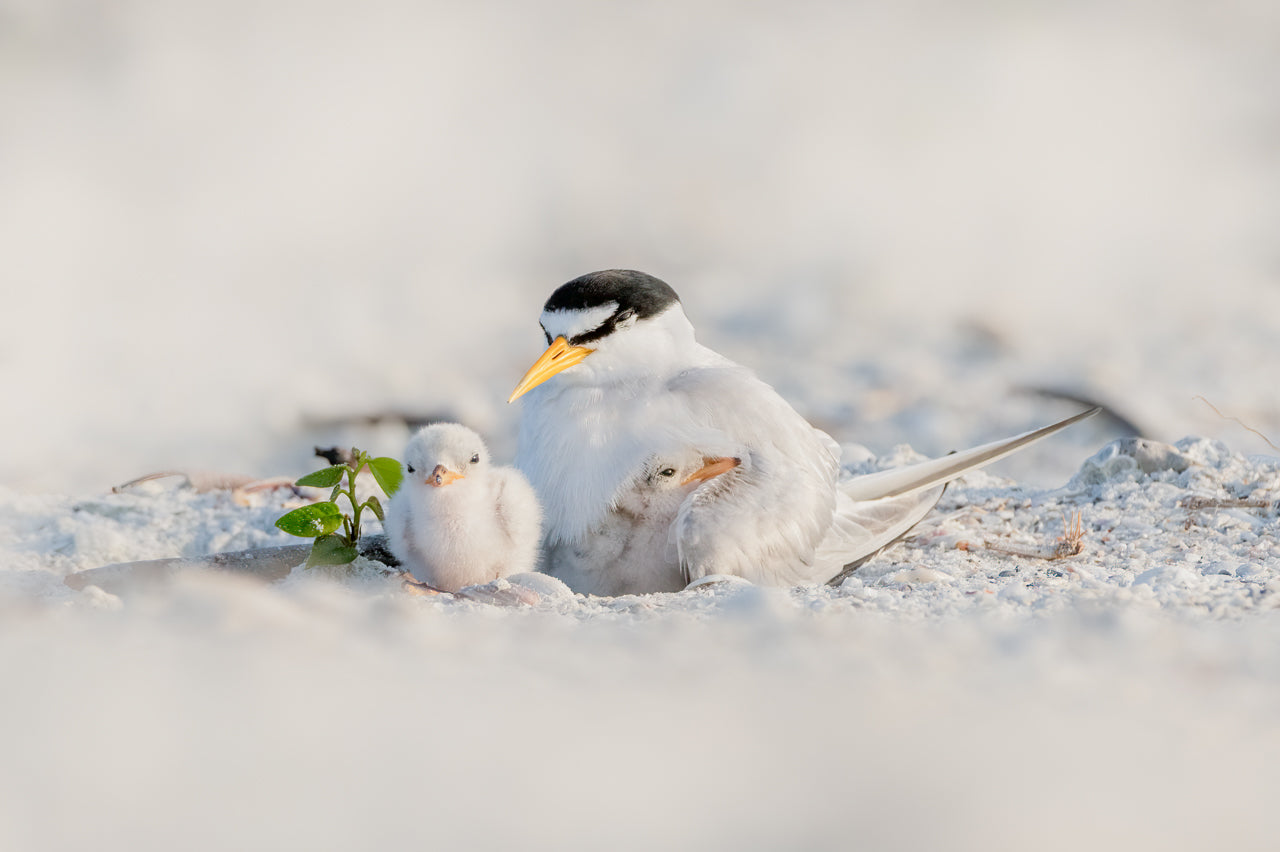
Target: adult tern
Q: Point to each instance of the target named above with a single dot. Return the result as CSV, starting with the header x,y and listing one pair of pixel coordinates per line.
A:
x,y
622,380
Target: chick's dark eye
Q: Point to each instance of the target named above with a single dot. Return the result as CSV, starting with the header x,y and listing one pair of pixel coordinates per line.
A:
x,y
409,468
475,459
667,471
626,315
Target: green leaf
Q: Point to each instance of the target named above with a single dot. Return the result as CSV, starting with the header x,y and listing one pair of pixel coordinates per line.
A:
x,y
311,521
326,478
388,473
374,504
331,550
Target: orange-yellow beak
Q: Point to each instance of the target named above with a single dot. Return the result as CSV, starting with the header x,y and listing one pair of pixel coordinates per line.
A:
x,y
442,476
711,468
559,356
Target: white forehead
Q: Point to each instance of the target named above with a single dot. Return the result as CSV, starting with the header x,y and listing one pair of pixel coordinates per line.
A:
x,y
569,324
440,439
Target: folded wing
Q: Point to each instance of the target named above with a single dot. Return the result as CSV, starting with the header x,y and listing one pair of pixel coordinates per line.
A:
x,y
876,509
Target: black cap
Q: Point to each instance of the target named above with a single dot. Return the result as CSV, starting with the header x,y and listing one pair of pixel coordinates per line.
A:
x,y
636,292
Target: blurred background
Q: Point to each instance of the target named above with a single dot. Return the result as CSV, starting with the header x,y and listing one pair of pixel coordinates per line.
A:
x,y
232,230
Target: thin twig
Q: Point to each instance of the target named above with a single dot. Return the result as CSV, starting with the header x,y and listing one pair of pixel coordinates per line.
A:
x,y
1237,420
1192,504
415,586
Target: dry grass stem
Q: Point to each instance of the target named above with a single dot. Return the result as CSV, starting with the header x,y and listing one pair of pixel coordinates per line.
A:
x,y
1268,441
239,486
1193,504
1070,543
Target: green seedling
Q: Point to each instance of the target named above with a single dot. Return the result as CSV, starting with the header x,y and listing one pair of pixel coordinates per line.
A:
x,y
322,521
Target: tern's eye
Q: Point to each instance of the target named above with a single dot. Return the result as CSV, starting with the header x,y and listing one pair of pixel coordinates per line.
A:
x,y
667,472
475,459
409,468
626,316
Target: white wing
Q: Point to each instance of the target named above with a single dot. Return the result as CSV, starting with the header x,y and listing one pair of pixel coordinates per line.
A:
x,y
861,529
876,509
731,526
764,520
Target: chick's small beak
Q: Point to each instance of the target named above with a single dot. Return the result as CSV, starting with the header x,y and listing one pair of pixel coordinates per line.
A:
x,y
442,476
560,356
711,468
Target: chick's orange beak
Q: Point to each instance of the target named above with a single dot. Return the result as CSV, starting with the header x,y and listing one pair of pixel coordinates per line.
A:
x,y
711,468
559,356
442,476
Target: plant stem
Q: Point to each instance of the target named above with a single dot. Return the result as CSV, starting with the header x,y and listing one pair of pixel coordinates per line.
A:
x,y
359,462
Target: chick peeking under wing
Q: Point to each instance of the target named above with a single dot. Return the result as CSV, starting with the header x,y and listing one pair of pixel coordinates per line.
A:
x,y
633,550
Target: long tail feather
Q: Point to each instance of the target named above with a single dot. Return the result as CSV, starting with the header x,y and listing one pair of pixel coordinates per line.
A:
x,y
927,474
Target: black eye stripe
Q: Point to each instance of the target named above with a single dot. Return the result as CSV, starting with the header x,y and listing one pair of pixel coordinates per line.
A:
x,y
604,330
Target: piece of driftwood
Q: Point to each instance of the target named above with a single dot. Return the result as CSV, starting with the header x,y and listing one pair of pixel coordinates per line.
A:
x,y
268,564
336,455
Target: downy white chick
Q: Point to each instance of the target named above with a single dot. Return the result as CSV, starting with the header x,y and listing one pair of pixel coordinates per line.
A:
x,y
457,519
